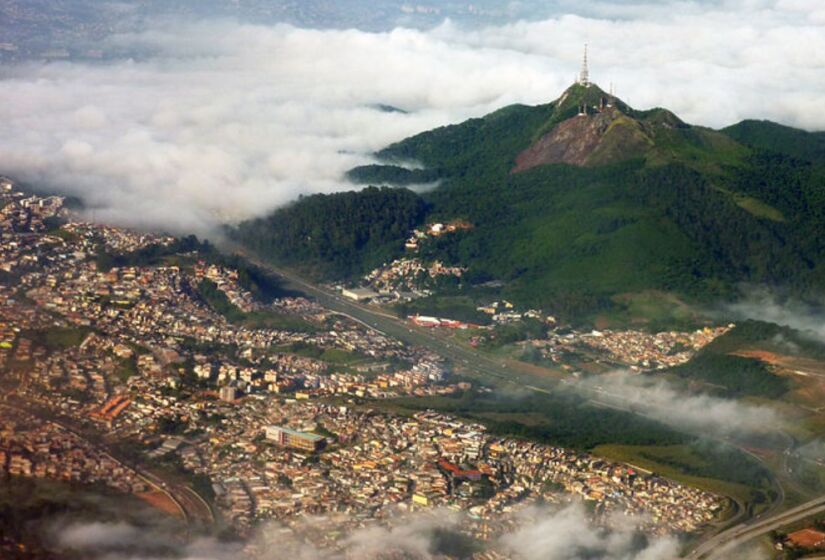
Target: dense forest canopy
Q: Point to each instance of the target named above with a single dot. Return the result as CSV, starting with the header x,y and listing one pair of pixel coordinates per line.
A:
x,y
339,235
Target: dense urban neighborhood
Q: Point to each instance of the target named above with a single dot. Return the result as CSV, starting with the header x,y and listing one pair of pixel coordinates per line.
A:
x,y
274,422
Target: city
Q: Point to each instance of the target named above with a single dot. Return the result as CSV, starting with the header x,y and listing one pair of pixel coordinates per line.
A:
x,y
133,354
394,280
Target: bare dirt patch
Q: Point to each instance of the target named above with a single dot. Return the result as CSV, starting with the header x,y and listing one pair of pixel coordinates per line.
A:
x,y
161,501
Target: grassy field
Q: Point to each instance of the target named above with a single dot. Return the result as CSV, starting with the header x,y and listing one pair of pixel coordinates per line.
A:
x,y
758,208
458,307
335,356
650,309
59,338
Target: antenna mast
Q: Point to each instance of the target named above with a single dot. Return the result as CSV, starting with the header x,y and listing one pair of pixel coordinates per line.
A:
x,y
584,77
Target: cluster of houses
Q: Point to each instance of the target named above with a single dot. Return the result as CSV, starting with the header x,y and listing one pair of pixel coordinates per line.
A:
x,y
264,413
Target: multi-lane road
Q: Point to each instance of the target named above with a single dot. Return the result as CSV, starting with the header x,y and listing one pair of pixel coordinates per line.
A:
x,y
535,379
721,545
524,375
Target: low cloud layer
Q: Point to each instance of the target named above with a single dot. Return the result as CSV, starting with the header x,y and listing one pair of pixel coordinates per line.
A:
x,y
695,413
544,533
217,121
762,305
566,534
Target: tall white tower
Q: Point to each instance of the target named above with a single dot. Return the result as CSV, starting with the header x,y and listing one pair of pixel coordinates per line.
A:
x,y
584,76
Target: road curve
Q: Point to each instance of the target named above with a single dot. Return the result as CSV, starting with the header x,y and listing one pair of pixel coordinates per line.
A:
x,y
193,508
734,537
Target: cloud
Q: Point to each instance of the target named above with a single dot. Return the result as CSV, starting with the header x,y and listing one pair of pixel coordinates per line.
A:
x,y
567,534
98,535
217,121
763,305
695,413
98,540
415,537
542,533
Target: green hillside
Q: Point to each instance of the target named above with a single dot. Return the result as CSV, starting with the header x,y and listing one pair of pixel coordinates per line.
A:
x,y
767,135
336,236
585,198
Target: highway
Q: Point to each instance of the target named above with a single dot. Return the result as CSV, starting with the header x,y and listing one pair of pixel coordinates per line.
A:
x,y
545,381
460,355
726,541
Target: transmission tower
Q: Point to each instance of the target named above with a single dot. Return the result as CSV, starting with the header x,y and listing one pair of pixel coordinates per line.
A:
x,y
584,76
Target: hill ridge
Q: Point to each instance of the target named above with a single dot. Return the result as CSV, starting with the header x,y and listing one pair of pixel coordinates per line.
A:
x,y
649,203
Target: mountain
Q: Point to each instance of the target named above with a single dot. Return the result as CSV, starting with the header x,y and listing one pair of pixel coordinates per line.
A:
x,y
583,202
584,127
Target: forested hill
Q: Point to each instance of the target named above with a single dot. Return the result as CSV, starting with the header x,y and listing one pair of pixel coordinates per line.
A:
x,y
336,236
581,200
766,135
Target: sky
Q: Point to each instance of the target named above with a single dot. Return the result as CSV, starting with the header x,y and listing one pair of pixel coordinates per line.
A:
x,y
216,121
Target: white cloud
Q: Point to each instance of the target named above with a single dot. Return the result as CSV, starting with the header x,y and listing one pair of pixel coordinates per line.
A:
x,y
695,413
218,121
762,305
542,533
566,534
95,535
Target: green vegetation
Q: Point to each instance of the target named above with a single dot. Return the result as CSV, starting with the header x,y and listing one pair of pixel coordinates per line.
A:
x,y
767,336
152,255
458,307
453,544
758,208
526,329
770,136
398,176
654,310
171,425
569,421
734,375
127,367
217,300
56,339
338,235
721,370
331,355
564,420
30,507
263,286
712,460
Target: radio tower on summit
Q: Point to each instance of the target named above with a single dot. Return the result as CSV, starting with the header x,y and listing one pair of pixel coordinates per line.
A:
x,y
584,76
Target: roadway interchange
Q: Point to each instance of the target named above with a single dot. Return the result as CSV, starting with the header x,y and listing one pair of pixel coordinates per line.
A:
x,y
540,380
729,540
